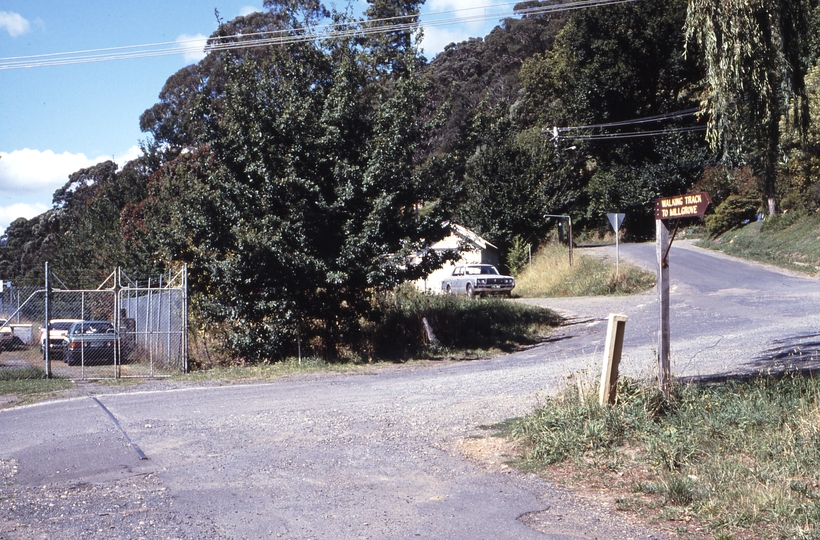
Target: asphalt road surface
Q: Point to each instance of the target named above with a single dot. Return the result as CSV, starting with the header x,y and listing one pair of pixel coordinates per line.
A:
x,y
398,452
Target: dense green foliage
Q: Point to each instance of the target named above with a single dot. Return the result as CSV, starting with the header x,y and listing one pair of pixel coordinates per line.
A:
x,y
741,457
757,55
296,180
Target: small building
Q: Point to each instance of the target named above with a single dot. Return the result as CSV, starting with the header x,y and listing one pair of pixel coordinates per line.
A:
x,y
472,250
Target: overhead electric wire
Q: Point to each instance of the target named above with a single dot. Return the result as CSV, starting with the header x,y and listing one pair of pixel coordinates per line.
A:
x,y
634,134
635,121
593,132
351,29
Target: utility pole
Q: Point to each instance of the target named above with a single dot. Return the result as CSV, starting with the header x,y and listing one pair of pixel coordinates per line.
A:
x,y
569,219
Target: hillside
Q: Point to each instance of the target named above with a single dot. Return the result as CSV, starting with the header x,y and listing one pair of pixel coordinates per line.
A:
x,y
790,241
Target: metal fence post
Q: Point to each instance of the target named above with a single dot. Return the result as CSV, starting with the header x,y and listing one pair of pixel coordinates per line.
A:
x,y
47,345
185,316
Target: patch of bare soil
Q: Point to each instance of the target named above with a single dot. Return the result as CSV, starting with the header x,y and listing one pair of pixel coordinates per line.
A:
x,y
493,453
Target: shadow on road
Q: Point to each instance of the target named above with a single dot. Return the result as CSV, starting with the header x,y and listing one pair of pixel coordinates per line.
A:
x,y
799,354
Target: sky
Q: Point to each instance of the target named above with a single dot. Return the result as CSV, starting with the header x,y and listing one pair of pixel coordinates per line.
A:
x,y
55,120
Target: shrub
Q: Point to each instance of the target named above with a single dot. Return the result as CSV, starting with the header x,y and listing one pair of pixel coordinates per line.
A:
x,y
518,256
732,213
459,323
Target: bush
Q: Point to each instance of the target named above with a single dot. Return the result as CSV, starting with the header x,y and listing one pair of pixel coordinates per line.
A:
x,y
518,257
732,213
459,324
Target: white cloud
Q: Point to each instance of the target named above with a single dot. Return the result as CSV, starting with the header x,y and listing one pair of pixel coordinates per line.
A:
x,y
28,178
469,12
33,171
247,10
132,153
193,47
454,21
436,38
19,210
14,23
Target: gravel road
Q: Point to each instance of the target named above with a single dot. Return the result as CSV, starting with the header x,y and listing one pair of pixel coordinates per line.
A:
x,y
390,452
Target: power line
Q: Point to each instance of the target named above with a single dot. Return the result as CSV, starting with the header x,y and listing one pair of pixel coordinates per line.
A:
x,y
352,29
637,121
593,131
634,134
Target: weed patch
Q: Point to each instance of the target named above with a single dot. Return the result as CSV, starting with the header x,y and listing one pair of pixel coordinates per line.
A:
x,y
263,371
551,276
738,459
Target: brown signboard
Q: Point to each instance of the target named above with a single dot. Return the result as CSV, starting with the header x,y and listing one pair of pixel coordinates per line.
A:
x,y
681,206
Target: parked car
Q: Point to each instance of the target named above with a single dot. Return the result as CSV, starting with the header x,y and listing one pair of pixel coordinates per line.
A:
x,y
90,343
6,335
57,329
473,279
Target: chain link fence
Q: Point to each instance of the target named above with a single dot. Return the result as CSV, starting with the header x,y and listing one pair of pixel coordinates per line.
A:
x,y
122,328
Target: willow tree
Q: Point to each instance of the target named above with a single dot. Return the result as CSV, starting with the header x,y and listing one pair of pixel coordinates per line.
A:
x,y
755,53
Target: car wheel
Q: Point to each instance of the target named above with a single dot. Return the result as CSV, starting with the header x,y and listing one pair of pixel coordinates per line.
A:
x,y
470,291
449,290
70,359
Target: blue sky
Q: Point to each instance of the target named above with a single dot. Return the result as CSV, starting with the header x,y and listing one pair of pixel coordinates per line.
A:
x,y
56,120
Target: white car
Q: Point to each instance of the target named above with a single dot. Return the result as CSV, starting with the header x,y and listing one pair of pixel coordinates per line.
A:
x,y
57,330
6,334
473,279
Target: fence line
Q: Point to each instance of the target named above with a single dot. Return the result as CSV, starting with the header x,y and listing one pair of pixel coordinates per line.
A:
x,y
146,327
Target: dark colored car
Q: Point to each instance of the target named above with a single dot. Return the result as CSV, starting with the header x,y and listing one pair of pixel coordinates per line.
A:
x,y
90,343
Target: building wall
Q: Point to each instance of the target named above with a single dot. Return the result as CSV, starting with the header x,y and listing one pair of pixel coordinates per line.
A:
x,y
474,255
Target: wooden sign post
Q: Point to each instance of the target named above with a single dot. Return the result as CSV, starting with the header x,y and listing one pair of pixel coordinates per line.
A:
x,y
666,208
662,245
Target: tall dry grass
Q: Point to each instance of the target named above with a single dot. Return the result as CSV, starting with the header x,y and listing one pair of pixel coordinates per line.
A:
x,y
551,276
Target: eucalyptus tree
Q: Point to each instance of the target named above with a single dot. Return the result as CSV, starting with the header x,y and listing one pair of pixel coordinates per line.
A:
x,y
756,54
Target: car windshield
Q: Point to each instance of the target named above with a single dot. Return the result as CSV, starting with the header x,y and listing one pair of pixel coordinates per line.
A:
x,y
60,325
475,270
94,328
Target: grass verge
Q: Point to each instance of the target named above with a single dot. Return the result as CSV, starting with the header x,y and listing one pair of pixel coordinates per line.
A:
x,y
551,276
788,240
29,384
263,372
734,460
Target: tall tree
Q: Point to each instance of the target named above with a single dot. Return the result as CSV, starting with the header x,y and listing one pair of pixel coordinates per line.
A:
x,y
618,64
756,52
301,201
388,49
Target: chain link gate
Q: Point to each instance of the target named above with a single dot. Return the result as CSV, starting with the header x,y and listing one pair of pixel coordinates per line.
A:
x,y
122,328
